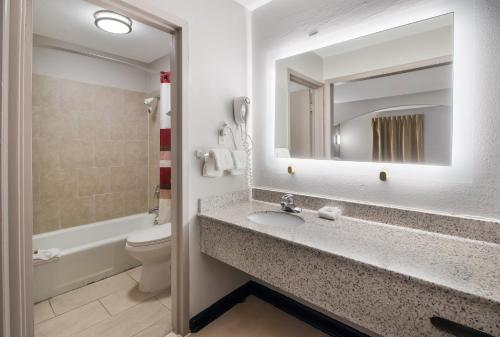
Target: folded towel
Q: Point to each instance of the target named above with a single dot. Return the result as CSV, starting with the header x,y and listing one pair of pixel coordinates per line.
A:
x,y
209,168
239,159
282,152
44,255
223,159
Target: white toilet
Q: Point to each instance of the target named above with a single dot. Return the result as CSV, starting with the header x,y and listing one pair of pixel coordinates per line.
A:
x,y
152,248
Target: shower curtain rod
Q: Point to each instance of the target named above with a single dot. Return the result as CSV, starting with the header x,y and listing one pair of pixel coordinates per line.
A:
x,y
96,56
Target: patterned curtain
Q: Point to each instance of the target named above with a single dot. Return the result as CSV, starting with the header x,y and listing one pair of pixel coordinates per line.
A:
x,y
165,149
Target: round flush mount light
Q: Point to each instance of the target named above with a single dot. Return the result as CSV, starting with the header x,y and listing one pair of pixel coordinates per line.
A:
x,y
112,22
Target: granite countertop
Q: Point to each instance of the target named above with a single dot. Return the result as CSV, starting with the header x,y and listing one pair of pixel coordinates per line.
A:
x,y
464,265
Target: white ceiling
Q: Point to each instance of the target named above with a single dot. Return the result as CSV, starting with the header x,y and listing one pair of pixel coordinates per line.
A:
x,y
252,4
73,21
387,35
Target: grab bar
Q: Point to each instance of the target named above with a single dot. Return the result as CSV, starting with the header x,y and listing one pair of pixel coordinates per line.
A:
x,y
456,329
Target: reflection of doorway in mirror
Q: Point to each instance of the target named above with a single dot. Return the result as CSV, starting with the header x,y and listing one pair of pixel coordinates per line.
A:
x,y
306,114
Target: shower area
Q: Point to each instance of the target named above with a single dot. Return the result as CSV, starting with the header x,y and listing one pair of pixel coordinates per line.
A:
x,y
101,161
96,178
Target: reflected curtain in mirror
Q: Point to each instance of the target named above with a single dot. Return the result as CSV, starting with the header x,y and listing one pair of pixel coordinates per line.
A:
x,y
398,139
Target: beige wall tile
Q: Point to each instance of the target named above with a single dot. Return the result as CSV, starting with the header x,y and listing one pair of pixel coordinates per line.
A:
x,y
78,97
46,153
136,152
135,201
76,211
109,206
89,143
76,154
94,180
57,184
57,124
110,100
123,179
76,298
134,105
72,322
47,91
95,125
108,153
46,216
42,311
141,174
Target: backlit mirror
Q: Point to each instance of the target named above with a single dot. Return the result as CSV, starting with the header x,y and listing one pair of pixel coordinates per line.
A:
x,y
385,97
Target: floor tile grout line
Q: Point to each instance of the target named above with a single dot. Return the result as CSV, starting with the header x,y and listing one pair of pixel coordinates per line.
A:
x,y
110,318
51,307
67,312
102,304
138,333
97,299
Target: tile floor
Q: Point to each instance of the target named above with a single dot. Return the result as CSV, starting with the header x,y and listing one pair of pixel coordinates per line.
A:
x,y
113,307
256,318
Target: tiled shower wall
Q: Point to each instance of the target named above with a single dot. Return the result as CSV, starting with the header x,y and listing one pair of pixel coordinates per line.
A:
x,y
90,153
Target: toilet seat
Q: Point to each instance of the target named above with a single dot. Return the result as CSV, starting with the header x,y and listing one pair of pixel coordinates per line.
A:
x,y
151,236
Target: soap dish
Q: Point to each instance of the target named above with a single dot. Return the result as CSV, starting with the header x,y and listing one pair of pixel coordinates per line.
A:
x,y
330,213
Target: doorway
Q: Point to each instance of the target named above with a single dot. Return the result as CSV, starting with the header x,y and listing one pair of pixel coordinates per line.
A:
x,y
57,122
306,116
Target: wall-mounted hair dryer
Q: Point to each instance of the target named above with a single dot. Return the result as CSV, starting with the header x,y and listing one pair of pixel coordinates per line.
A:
x,y
241,110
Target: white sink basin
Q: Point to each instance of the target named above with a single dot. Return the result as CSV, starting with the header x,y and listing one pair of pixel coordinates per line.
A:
x,y
275,218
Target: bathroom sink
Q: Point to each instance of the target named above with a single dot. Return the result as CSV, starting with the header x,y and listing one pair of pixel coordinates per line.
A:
x,y
275,218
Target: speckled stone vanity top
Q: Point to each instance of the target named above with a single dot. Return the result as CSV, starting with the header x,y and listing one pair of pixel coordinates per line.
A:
x,y
467,266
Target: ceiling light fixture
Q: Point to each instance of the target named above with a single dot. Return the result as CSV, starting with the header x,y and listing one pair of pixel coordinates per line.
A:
x,y
112,22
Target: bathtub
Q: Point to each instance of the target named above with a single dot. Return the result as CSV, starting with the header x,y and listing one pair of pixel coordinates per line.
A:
x,y
88,253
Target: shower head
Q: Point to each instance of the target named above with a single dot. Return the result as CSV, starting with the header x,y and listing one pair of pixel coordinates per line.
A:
x,y
149,102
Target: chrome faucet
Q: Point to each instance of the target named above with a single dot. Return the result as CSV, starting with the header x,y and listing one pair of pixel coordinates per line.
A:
x,y
288,204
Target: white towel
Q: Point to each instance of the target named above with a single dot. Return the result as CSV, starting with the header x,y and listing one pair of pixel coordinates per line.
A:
x,y
45,255
209,168
223,159
237,172
239,159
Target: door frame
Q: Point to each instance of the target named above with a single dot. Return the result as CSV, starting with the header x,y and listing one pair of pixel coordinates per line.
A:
x,y
317,90
16,183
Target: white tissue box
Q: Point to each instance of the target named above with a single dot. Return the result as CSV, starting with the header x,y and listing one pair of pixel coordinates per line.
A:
x,y
330,213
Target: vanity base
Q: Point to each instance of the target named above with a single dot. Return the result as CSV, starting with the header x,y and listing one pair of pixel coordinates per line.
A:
x,y
385,302
310,316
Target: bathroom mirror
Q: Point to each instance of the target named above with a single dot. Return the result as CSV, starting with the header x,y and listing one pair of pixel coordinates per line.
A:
x,y
384,97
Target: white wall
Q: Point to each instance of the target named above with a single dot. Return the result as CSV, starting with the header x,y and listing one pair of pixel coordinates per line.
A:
x,y
86,69
217,70
428,45
308,64
471,185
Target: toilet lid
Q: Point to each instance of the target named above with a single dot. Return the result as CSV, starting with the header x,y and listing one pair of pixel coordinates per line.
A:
x,y
153,235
